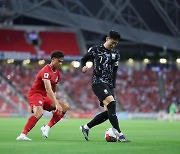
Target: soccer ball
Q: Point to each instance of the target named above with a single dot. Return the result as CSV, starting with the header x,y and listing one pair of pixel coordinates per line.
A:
x,y
110,135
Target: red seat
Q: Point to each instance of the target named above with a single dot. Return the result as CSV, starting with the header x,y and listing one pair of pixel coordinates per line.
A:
x,y
14,40
64,41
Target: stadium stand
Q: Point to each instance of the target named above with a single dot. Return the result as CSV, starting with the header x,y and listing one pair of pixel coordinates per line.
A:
x,y
5,107
65,41
78,84
14,40
14,99
172,85
136,91
17,41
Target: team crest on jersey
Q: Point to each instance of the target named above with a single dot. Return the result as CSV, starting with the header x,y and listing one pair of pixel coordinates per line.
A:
x,y
46,75
113,56
105,91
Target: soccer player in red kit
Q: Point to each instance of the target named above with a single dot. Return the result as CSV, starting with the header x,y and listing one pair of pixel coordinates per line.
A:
x,y
42,96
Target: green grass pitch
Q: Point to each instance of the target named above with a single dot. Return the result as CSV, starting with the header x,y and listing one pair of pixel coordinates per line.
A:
x,y
148,137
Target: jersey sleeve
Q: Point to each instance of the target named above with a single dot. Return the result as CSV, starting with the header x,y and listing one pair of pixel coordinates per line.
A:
x,y
87,56
59,77
45,74
117,59
115,68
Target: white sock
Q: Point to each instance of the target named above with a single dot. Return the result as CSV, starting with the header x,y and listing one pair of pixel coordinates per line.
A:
x,y
86,127
22,134
47,127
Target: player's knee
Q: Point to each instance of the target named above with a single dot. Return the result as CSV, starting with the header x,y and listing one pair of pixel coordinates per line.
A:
x,y
38,115
38,112
108,100
65,107
111,105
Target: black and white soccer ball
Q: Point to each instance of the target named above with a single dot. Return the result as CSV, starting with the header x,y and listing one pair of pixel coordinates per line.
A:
x,y
111,135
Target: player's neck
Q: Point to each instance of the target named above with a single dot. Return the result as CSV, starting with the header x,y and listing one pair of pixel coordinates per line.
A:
x,y
106,46
53,68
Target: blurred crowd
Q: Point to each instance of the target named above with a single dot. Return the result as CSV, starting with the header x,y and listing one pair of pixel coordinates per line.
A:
x,y
136,91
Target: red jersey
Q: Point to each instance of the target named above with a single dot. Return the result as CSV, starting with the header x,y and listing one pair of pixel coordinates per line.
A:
x,y
45,73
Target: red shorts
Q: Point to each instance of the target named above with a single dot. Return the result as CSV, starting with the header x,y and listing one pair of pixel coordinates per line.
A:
x,y
39,100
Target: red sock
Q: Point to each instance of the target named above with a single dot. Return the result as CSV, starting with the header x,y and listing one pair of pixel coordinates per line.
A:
x,y
30,124
56,117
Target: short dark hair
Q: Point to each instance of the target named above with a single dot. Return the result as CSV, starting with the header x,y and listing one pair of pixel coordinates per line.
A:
x,y
114,35
57,54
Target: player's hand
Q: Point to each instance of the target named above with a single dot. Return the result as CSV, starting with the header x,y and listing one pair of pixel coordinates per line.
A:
x,y
84,69
58,108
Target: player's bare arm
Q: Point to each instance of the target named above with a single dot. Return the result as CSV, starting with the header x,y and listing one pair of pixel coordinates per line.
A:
x,y
51,94
55,89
